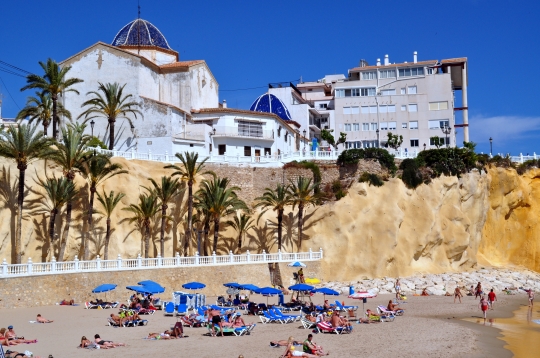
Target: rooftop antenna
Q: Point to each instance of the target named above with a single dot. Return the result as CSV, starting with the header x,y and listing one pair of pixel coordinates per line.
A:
x,y
138,28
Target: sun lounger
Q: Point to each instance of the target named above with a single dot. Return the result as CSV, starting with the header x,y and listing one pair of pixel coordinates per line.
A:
x,y
326,327
169,310
90,306
279,319
291,317
341,307
112,323
383,309
237,331
307,323
386,315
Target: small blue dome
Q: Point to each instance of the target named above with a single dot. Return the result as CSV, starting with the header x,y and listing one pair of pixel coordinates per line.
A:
x,y
271,104
140,32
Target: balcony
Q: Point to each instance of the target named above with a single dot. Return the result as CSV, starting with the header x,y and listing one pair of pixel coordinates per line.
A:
x,y
253,132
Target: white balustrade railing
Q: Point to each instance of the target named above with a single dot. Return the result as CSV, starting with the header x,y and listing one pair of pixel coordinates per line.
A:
x,y
52,268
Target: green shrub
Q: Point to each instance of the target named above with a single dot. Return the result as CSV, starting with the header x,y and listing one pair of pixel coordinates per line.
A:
x,y
412,177
336,186
372,179
96,142
352,156
340,194
503,162
525,166
448,161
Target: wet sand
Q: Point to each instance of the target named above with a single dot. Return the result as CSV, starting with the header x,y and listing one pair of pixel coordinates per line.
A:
x,y
432,326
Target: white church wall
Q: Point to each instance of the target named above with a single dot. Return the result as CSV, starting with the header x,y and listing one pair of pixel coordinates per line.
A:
x,y
204,92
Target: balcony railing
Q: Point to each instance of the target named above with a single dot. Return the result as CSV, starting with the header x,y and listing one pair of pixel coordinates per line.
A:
x,y
250,132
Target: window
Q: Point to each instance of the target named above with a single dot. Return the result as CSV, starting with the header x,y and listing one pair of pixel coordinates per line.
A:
x,y
355,110
387,74
384,126
442,141
355,92
438,106
340,93
438,123
411,90
267,151
373,126
388,92
383,109
413,108
403,107
365,109
403,91
372,109
347,127
323,105
391,108
392,126
368,91
369,75
250,129
365,126
408,72
247,151
431,71
370,144
346,110
356,127
404,125
414,143
221,149
351,145
413,125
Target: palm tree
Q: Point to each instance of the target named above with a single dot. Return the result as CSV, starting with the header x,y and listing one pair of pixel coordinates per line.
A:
x,y
143,212
109,203
40,109
58,191
71,155
165,192
54,83
189,173
203,216
98,168
275,199
23,145
220,200
111,105
302,194
242,223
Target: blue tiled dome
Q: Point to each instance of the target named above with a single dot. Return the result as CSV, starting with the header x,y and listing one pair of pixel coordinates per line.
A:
x,y
140,32
271,104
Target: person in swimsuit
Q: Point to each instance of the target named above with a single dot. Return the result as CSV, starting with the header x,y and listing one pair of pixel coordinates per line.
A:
x,y
86,343
483,305
164,335
530,295
40,319
108,344
214,318
457,294
491,298
292,352
478,291
397,286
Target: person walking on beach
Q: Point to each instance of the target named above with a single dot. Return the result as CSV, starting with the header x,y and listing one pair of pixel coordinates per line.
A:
x,y
492,297
530,294
397,286
478,291
483,305
457,294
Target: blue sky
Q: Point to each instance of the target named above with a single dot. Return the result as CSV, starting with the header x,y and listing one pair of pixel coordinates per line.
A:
x,y
252,43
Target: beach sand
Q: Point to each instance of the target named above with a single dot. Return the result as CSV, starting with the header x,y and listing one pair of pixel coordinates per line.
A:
x,y
432,326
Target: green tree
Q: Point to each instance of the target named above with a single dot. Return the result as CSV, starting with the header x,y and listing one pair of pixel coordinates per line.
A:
x,y
189,172
329,137
58,192
143,212
276,200
221,200
166,192
109,203
98,168
437,141
23,145
111,104
40,109
242,223
71,155
394,141
302,195
54,83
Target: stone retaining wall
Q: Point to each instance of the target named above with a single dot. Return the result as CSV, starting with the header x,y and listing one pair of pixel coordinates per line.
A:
x,y
33,291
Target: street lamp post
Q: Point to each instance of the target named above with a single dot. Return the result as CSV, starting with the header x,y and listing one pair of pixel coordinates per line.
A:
x,y
490,146
92,123
378,142
446,130
304,140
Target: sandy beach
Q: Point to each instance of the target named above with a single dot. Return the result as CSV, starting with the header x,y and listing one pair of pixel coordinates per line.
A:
x,y
432,326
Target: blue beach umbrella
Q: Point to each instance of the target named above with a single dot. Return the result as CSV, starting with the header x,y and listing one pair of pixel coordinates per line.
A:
x,y
296,264
138,289
193,285
268,291
326,291
249,287
232,285
149,283
301,287
106,287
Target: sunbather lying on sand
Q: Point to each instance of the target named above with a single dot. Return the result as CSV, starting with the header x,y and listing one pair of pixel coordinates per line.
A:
x,y
67,303
13,337
164,335
40,319
108,344
284,343
13,354
86,343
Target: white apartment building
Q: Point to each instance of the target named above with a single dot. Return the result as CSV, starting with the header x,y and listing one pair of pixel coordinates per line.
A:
x,y
413,99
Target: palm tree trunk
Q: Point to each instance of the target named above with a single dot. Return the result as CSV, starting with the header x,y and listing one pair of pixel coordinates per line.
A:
x,y
279,228
45,127
239,242
52,220
64,240
107,238
189,218
20,202
111,134
146,238
85,242
206,232
162,237
216,233
55,118
300,225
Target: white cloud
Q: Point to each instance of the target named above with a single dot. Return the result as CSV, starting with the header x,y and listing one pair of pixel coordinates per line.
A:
x,y
503,129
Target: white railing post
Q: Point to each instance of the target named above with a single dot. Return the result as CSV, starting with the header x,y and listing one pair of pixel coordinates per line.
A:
x,y
53,264
76,263
279,254
115,152
4,268
320,250
159,260
197,258
98,263
132,153
29,269
237,158
149,154
214,259
295,256
310,254
521,158
177,257
166,156
264,255
248,256
231,256
119,261
139,260
534,155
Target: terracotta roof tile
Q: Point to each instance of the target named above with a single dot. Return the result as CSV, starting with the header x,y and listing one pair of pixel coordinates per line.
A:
x,y
457,59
